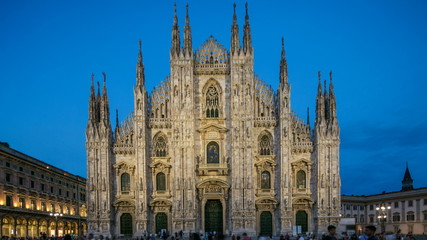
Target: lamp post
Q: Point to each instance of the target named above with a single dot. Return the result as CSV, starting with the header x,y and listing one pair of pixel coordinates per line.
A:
x,y
382,215
56,215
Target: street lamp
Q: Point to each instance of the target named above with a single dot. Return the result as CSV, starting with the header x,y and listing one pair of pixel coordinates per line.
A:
x,y
56,215
382,215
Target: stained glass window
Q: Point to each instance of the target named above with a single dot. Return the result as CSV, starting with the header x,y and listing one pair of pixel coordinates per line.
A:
x,y
212,152
161,182
301,182
125,182
265,180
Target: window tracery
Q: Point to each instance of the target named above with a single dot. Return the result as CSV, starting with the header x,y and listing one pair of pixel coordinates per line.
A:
x,y
265,99
212,103
212,54
265,144
160,146
159,100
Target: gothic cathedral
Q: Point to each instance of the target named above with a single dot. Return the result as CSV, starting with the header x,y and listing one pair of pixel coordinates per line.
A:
x,y
212,148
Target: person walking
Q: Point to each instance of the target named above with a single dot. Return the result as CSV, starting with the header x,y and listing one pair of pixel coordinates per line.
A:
x,y
331,233
370,232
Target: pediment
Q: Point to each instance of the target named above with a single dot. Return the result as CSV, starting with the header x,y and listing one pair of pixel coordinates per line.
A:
x,y
161,203
266,204
212,127
211,182
265,162
123,166
160,164
302,200
124,203
266,201
302,162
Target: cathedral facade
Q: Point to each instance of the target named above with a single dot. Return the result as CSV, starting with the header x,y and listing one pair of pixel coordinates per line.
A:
x,y
212,148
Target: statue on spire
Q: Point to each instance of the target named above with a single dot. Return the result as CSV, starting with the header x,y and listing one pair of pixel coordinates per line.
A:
x,y
247,39
188,42
234,34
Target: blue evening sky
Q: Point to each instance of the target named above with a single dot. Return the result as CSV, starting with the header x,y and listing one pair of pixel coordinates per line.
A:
x,y
377,51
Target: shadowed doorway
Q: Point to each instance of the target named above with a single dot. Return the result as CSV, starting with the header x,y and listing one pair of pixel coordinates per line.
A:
x,y
213,216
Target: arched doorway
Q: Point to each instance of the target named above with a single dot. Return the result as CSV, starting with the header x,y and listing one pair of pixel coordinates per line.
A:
x,y
126,225
74,228
52,229
83,228
266,224
32,228
60,228
213,216
21,227
7,226
161,222
43,226
302,220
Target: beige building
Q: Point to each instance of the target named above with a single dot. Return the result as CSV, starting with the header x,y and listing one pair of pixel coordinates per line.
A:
x,y
32,190
404,210
212,148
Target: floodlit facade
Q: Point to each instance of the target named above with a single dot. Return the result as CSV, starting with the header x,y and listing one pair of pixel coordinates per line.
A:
x,y
32,190
212,148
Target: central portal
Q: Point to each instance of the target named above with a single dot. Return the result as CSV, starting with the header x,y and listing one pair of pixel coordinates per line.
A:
x,y
213,216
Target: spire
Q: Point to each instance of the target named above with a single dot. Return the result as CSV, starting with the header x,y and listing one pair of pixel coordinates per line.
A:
x,y
324,84
117,118
104,106
92,101
140,76
116,130
283,66
332,101
234,34
187,35
320,102
140,52
331,85
308,116
176,43
247,39
407,180
175,17
283,49
99,89
104,88
319,86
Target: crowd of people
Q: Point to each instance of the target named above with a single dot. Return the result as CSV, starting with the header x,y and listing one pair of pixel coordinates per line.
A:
x,y
368,234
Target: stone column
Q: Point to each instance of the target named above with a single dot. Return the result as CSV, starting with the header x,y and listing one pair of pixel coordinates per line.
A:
x,y
14,226
26,228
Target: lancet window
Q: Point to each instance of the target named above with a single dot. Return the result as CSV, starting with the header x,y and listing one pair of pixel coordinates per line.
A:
x,y
160,146
265,145
161,182
212,102
125,182
301,179
265,180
